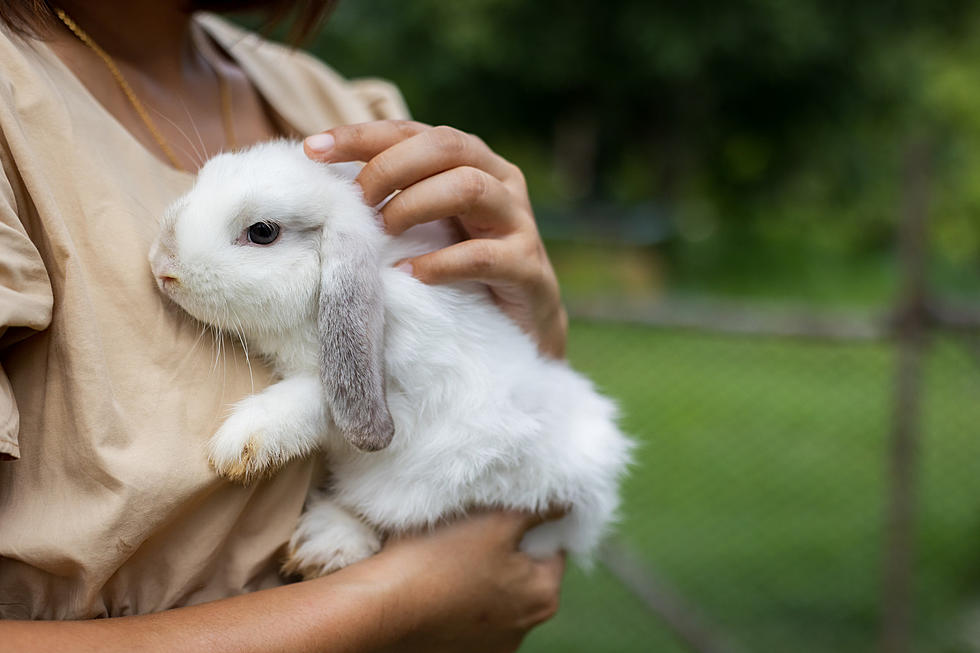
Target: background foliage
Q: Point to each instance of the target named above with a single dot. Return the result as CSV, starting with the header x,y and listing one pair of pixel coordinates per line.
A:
x,y
748,150
752,139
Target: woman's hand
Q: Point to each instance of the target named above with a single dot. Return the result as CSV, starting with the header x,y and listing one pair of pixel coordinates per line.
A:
x,y
466,587
445,173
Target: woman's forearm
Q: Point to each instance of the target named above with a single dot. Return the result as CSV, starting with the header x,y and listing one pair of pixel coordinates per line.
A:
x,y
342,612
461,587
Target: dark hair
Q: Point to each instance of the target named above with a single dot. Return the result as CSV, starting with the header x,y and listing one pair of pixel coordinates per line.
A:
x,y
28,17
25,17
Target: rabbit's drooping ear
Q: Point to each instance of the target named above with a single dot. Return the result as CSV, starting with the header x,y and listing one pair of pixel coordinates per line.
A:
x,y
351,326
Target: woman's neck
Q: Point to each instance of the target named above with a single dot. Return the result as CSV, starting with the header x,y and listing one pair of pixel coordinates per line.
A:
x,y
152,36
173,70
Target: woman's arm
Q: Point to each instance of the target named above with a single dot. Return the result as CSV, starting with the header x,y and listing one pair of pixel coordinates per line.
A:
x,y
442,173
463,587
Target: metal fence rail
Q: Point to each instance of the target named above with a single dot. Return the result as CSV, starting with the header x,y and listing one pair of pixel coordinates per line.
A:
x,y
909,329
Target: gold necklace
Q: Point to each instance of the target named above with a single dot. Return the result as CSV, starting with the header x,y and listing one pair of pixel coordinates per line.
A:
x,y
224,92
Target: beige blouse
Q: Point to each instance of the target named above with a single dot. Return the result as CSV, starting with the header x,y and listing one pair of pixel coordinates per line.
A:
x,y
107,392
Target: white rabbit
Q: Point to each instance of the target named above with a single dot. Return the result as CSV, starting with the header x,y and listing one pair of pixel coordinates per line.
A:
x,y
452,400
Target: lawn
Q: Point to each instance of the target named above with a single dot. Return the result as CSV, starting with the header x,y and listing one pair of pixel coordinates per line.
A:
x,y
759,489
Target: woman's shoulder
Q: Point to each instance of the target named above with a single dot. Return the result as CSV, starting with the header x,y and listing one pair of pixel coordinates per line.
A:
x,y
308,93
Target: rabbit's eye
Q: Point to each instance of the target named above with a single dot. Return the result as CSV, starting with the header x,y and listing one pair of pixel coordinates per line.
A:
x,y
263,233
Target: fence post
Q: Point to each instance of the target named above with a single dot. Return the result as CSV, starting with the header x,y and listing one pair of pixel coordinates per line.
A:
x,y
911,326
693,631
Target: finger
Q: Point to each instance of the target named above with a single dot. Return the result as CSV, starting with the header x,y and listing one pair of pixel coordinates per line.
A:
x,y
489,260
425,154
520,522
479,200
553,513
548,573
511,524
553,567
360,141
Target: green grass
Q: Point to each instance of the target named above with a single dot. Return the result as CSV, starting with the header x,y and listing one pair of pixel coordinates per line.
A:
x,y
759,490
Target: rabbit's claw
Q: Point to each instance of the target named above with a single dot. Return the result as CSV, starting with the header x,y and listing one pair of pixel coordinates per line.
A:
x,y
328,538
239,451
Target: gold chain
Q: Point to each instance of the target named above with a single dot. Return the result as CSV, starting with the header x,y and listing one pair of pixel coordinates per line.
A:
x,y
127,90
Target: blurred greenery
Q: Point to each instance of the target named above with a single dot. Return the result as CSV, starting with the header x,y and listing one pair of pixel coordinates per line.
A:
x,y
766,136
750,149
759,488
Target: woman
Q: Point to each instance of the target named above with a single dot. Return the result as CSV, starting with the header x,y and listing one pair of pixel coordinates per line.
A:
x,y
111,510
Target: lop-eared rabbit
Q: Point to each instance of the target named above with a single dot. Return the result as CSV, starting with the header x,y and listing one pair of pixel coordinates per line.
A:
x,y
426,400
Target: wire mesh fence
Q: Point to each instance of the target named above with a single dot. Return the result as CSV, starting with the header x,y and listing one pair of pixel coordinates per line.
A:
x,y
757,515
807,480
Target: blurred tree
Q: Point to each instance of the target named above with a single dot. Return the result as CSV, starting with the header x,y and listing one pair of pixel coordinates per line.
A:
x,y
750,123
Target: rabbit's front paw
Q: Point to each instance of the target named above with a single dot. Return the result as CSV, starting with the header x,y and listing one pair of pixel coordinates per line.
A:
x,y
240,450
328,538
267,430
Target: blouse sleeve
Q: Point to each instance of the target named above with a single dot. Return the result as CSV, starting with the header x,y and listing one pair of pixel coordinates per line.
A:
x,y
25,304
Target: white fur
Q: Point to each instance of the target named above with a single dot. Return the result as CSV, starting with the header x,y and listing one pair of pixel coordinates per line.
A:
x,y
481,418
328,538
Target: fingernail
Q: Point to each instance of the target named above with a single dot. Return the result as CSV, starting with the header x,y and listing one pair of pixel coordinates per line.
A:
x,y
405,267
320,143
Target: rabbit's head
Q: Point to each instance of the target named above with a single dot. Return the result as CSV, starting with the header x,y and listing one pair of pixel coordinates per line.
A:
x,y
268,243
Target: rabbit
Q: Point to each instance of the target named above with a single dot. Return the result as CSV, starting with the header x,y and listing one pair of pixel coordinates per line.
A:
x,y
425,400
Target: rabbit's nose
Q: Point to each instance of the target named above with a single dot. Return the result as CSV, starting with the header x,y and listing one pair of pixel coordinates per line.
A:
x,y
165,281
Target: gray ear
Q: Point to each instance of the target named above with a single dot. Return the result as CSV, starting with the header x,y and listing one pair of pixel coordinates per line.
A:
x,y
351,326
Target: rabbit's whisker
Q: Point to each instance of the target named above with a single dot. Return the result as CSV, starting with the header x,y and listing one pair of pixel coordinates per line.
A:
x,y
193,154
204,328
204,149
152,218
240,332
216,335
223,350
